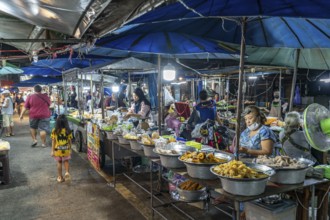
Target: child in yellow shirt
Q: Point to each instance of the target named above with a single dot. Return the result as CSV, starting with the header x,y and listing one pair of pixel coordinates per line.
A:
x,y
61,147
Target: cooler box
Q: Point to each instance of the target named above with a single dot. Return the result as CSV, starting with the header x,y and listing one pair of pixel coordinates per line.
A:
x,y
284,210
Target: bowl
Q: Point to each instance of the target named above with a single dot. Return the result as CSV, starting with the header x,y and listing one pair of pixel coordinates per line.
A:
x,y
111,135
291,175
202,170
191,195
122,140
135,145
170,159
246,186
148,150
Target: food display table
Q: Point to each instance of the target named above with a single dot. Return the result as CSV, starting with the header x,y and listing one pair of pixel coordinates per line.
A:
x,y
308,190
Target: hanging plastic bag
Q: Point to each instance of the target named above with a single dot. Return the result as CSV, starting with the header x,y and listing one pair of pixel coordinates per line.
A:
x,y
168,98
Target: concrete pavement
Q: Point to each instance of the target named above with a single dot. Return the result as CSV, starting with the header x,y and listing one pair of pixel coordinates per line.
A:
x,y
34,193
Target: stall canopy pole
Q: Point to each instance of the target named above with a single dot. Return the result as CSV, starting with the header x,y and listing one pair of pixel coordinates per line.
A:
x,y
65,96
192,89
280,83
92,95
129,89
294,79
240,85
102,94
79,88
81,98
159,96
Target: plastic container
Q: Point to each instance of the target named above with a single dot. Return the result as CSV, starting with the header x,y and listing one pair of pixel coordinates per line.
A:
x,y
284,210
194,144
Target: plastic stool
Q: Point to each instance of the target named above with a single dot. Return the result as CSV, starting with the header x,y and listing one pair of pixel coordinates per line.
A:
x,y
4,169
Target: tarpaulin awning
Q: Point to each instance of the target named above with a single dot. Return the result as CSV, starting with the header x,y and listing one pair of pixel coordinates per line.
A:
x,y
75,60
183,9
38,80
41,71
126,64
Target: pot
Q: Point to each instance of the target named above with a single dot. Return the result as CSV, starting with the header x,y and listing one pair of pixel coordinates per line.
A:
x,y
191,195
246,187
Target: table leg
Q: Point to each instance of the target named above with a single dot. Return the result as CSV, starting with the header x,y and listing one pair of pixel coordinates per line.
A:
x,y
321,192
313,202
151,192
113,164
237,211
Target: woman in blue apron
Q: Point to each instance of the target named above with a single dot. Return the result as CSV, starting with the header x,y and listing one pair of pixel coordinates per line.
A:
x,y
257,139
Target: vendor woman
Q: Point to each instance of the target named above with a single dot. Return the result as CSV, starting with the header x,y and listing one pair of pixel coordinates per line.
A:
x,y
257,139
140,107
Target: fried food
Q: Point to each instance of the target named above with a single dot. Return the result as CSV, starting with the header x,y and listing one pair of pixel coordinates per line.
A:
x,y
237,169
147,140
155,135
201,157
280,162
190,185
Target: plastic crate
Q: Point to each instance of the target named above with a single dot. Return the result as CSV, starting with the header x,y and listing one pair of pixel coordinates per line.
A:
x,y
285,210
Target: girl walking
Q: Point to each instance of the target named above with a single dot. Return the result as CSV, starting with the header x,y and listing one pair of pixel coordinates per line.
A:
x,y
61,147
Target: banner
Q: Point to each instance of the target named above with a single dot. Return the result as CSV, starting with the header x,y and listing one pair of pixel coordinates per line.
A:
x,y
93,145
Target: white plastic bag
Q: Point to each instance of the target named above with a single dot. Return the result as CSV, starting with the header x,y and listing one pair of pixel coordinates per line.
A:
x,y
168,98
196,133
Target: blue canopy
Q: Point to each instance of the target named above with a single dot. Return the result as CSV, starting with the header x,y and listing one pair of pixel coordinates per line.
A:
x,y
237,8
41,71
164,43
261,31
38,80
65,62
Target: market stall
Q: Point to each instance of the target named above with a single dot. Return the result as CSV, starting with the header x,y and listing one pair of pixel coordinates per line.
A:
x,y
107,77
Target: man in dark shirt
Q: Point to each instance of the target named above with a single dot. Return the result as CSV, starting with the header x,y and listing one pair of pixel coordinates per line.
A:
x,y
122,97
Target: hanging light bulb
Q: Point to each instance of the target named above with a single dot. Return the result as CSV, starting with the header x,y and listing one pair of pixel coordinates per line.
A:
x,y
115,88
169,72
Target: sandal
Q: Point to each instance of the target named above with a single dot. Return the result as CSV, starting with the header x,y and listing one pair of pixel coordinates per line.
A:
x,y
7,135
67,177
60,179
34,144
11,134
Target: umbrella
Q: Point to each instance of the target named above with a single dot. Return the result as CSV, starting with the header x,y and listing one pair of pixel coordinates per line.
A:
x,y
166,44
67,61
185,9
291,33
41,71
